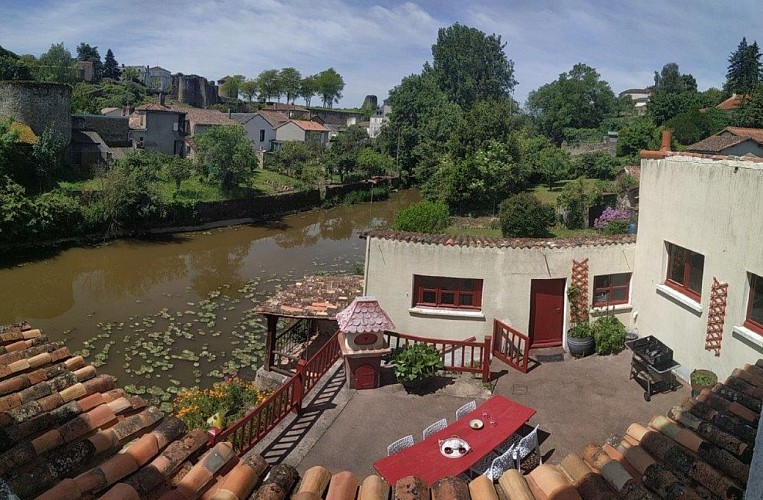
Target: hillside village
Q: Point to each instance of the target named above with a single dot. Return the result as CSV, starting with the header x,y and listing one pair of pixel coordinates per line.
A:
x,y
577,264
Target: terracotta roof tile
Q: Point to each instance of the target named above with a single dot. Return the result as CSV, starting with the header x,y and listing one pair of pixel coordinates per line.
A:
x,y
364,314
205,116
479,241
732,102
314,297
307,125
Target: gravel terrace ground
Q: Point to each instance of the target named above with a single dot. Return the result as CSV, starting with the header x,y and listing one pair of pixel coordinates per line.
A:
x,y
578,401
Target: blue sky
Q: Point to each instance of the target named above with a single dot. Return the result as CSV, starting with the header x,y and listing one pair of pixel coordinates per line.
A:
x,y
374,44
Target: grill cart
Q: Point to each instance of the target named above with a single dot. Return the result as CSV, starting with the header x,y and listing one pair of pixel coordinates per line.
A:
x,y
652,365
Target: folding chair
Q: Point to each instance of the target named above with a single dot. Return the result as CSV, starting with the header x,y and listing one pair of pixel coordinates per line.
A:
x,y
526,446
437,426
400,444
500,465
464,410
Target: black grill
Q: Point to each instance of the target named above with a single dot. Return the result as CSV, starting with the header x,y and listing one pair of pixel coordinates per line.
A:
x,y
652,365
652,351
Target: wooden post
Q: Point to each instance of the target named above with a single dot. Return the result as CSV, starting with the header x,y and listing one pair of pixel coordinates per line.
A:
x,y
486,359
299,386
270,341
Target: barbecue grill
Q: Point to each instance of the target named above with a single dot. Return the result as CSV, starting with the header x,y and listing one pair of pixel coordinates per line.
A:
x,y
652,365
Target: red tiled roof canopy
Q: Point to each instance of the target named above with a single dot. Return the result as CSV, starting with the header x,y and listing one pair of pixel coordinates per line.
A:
x,y
314,297
479,241
364,315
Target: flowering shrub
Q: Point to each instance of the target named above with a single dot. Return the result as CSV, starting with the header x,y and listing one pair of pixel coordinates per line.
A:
x,y
613,221
228,399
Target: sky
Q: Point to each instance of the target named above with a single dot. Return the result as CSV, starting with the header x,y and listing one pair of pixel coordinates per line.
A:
x,y
373,44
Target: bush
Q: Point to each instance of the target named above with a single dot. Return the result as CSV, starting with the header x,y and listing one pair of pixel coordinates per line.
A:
x,y
609,335
613,221
417,361
423,217
580,331
524,216
575,200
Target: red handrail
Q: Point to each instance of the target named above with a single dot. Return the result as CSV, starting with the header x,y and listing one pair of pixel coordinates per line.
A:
x,y
511,346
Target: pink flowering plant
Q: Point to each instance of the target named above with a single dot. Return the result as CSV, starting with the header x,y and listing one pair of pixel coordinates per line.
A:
x,y
613,221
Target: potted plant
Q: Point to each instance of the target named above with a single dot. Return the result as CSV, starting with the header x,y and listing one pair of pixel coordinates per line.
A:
x,y
580,340
415,363
702,379
608,335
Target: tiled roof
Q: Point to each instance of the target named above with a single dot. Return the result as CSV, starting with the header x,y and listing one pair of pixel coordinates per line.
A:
x,y
732,102
205,116
702,449
756,134
285,107
307,125
729,136
364,314
274,118
67,432
314,297
479,241
152,106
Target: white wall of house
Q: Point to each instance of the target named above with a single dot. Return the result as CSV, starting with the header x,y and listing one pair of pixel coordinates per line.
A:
x,y
747,147
289,131
255,127
506,274
711,207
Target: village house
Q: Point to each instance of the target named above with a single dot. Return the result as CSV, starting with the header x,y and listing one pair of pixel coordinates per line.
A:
x,y
301,131
261,127
154,78
378,118
736,141
158,127
640,98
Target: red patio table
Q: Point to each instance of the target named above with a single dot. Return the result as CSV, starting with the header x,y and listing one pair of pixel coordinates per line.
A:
x,y
424,459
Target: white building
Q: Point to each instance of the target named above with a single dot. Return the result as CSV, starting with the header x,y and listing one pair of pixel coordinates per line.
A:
x,y
379,118
640,98
261,127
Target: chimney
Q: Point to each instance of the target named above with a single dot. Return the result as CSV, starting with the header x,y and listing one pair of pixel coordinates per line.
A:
x,y
665,141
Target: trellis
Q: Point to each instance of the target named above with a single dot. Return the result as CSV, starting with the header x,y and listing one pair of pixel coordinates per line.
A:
x,y
716,316
580,280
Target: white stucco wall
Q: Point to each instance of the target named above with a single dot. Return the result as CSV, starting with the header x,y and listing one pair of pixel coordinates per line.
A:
x,y
506,274
715,208
290,132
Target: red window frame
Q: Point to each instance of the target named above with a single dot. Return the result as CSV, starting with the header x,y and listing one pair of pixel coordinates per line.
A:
x,y
756,289
609,290
440,287
683,285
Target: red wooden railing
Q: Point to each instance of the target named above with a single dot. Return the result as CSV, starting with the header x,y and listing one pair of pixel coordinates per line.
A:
x,y
254,426
511,346
468,356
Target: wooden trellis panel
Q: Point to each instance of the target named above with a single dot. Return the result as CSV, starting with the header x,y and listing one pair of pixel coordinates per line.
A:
x,y
716,316
580,279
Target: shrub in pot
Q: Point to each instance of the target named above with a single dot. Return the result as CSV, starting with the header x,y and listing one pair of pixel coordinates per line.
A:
x,y
702,379
609,335
580,340
415,363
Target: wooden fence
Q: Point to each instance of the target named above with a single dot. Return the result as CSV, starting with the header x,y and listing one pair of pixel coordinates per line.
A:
x,y
468,356
511,346
254,426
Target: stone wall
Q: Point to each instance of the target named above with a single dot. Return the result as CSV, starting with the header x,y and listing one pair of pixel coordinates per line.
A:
x,y
194,90
39,105
114,130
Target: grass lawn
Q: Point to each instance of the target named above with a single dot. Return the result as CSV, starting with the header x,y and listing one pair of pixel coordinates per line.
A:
x,y
549,196
194,189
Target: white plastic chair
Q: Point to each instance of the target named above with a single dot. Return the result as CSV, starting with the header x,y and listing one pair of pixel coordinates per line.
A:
x,y
464,410
508,444
481,466
400,444
500,464
525,446
437,426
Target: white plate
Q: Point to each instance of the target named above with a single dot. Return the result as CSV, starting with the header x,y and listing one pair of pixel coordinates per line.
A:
x,y
454,443
476,424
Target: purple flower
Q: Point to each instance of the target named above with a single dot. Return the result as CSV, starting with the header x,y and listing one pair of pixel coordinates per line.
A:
x,y
611,215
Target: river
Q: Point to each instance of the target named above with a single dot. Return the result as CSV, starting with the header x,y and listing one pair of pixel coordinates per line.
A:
x,y
176,311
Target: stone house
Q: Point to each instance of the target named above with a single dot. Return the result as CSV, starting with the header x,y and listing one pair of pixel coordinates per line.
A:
x,y
160,128
261,127
301,131
96,139
198,121
736,141
155,78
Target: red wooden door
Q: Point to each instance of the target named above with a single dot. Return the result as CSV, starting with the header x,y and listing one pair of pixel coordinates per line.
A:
x,y
546,312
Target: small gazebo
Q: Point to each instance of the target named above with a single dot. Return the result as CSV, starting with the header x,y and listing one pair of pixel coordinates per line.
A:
x,y
361,338
308,312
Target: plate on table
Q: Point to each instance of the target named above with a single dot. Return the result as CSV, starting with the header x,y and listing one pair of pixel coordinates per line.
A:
x,y
454,447
476,424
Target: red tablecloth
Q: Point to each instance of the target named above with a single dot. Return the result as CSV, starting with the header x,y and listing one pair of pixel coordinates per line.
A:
x,y
424,459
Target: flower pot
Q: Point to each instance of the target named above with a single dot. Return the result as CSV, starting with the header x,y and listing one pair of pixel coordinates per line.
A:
x,y
580,346
696,387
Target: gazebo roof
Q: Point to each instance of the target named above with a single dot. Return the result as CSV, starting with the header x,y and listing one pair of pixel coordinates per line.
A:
x,y
314,297
364,315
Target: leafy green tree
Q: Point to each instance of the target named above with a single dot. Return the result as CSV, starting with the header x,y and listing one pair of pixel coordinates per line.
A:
x,y
178,169
249,89
694,125
329,85
371,162
12,67
641,134
290,82
293,157
86,52
110,66
48,156
577,99
16,210
269,85
226,155
745,71
56,65
597,165
750,114
8,136
471,66
308,87
232,86
524,216
131,74
553,164
575,200
486,120
423,217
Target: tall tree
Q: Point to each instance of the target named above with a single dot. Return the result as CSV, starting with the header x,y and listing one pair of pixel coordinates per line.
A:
x,y
290,81
249,89
86,52
329,85
307,88
471,66
269,84
12,67
745,70
110,66
232,86
226,154
56,65
673,94
577,99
